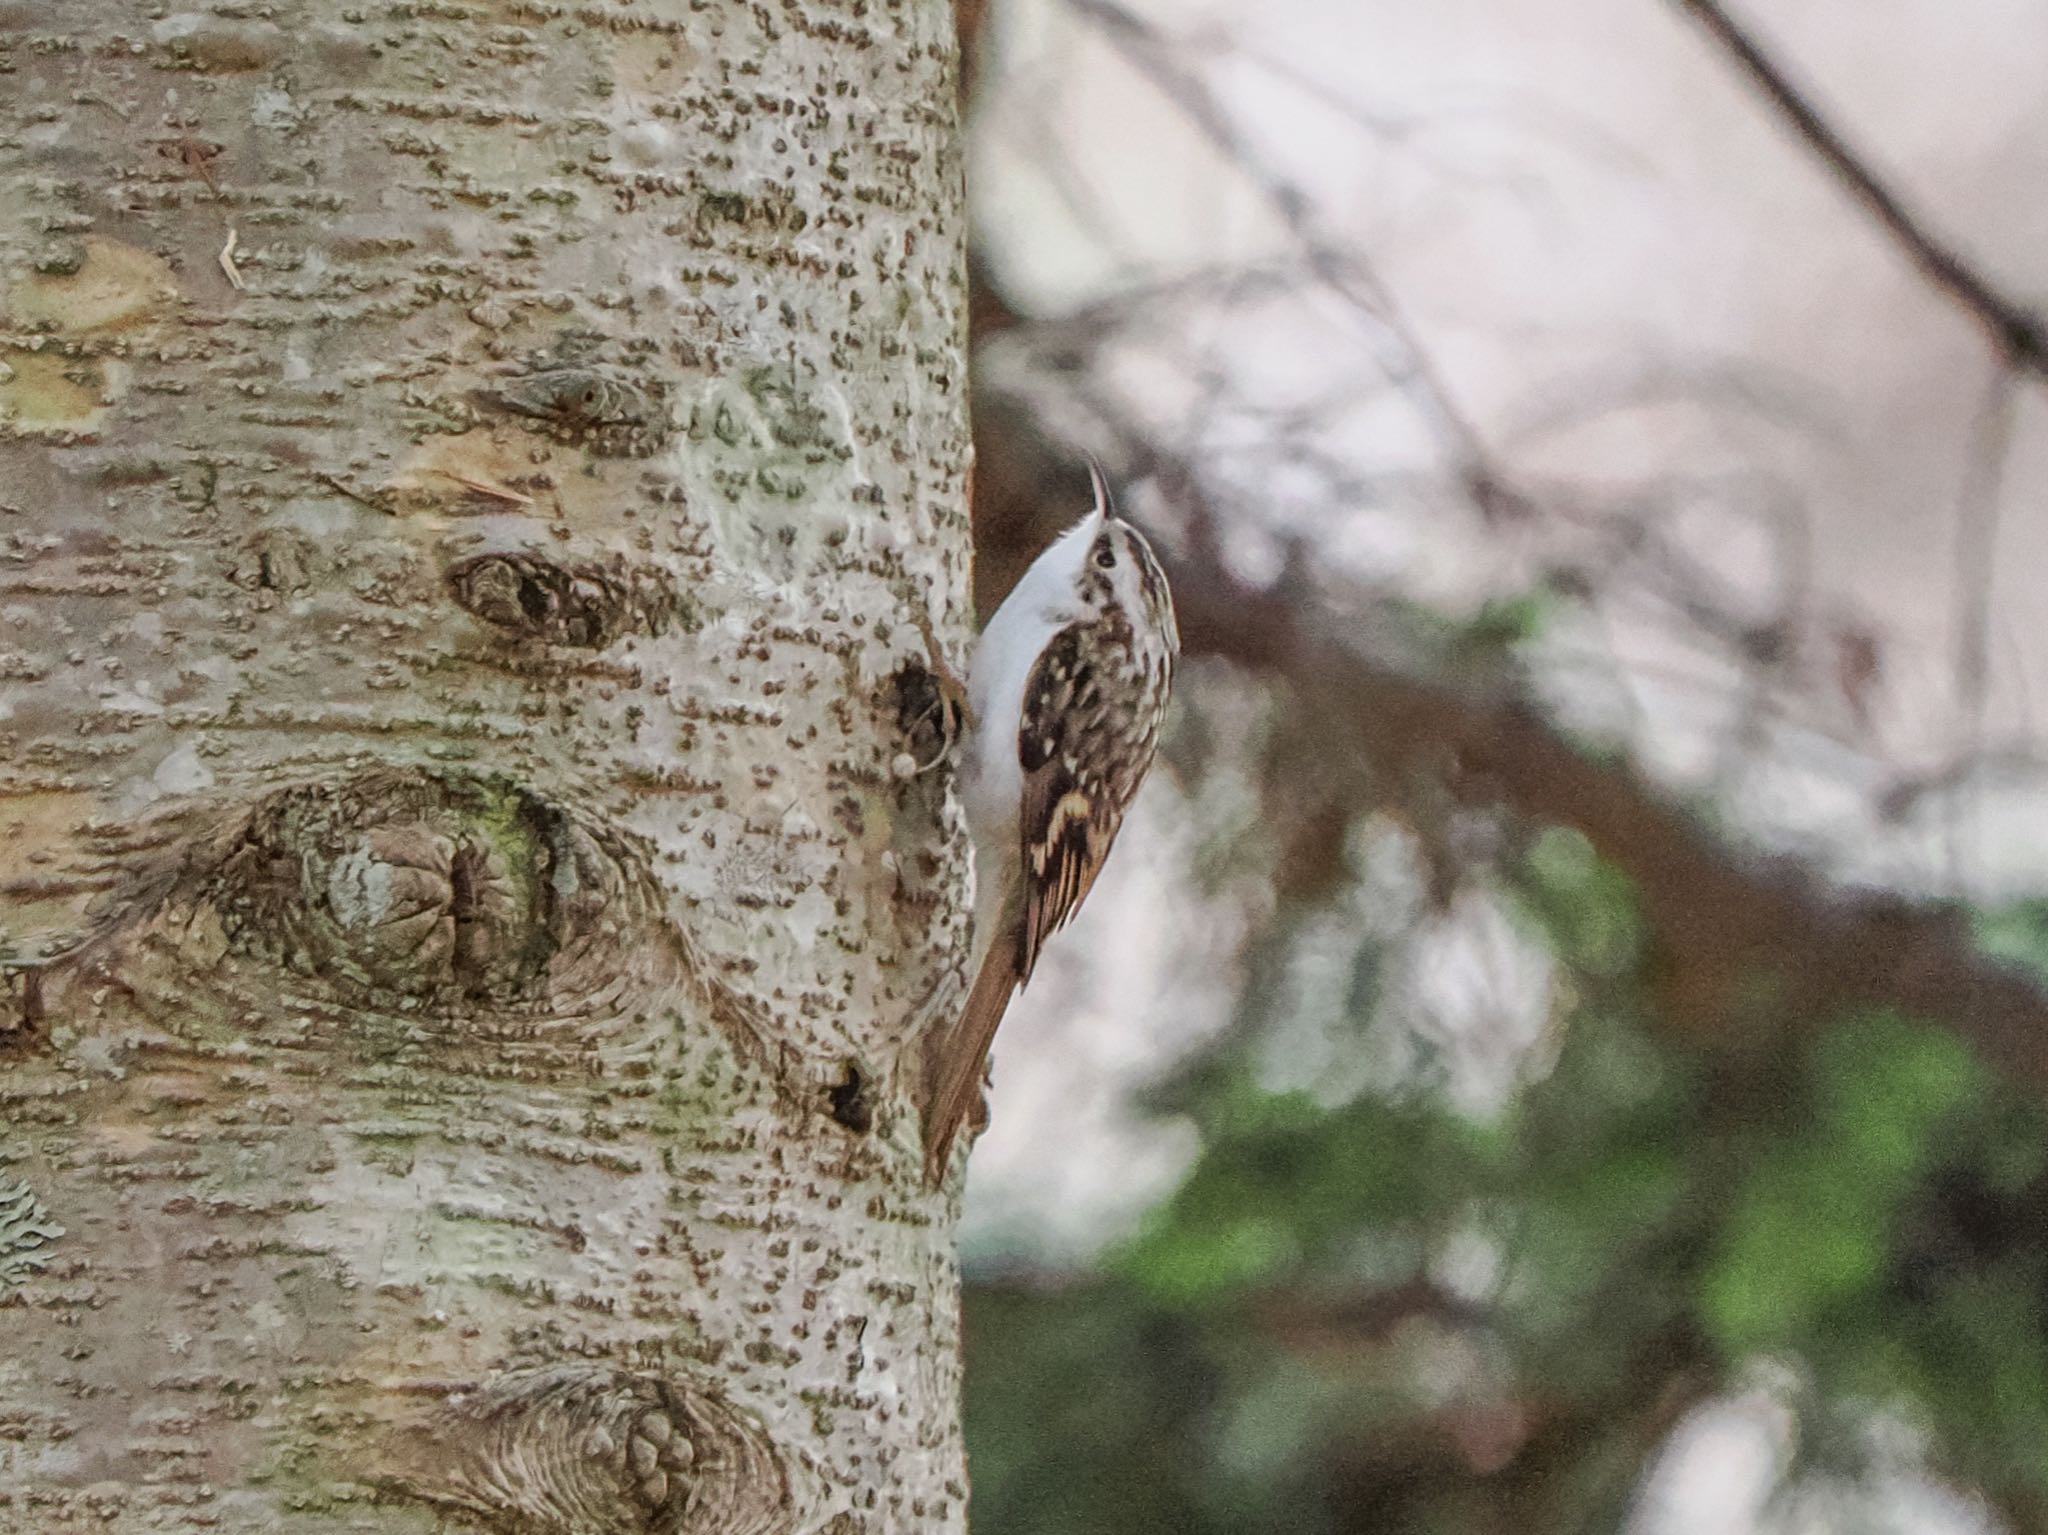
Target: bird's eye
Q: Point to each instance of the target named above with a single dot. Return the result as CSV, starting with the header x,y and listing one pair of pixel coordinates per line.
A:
x,y
1105,556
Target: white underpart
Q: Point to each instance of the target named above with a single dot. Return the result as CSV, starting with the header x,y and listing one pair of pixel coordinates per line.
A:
x,y
1045,601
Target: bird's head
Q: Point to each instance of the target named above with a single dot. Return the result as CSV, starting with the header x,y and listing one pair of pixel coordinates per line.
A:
x,y
1114,571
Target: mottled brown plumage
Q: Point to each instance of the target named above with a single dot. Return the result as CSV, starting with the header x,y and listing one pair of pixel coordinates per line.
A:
x,y
1091,725
1071,679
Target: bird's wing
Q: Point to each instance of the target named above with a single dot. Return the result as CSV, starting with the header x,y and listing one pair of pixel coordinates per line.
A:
x,y
1080,772
1074,796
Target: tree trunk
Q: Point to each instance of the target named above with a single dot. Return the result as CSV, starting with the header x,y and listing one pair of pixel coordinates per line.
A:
x,y
469,473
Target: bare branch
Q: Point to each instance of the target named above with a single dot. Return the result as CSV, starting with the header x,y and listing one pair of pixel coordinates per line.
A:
x,y
2015,331
1977,515
1977,546
1742,943
1745,947
1347,274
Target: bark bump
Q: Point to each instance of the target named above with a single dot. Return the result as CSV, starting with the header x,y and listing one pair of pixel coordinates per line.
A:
x,y
274,561
614,411
420,889
590,1450
584,605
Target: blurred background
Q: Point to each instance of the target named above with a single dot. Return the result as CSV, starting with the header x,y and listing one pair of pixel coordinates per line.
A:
x,y
1558,1048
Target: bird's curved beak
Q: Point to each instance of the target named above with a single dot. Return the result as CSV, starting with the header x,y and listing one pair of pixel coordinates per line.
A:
x,y
1103,505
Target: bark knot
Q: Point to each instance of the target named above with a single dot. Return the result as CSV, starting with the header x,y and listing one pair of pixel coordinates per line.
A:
x,y
611,411
430,889
592,1450
585,605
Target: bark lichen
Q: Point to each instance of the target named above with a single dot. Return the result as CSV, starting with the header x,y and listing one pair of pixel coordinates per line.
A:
x,y
28,1234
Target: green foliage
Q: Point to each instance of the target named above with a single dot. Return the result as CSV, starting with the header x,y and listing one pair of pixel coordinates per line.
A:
x,y
1285,1188
1809,1230
1583,907
1084,1407
2016,933
1653,1212
1505,622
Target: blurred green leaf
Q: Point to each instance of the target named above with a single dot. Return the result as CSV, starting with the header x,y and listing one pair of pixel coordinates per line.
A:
x,y
1811,1226
1581,902
2016,933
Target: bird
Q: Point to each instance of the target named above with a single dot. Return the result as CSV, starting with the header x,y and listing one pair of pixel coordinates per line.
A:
x,y
1066,691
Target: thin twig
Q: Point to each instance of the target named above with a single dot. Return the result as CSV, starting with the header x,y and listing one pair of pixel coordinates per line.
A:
x,y
1347,274
485,488
227,261
1978,504
335,483
2018,333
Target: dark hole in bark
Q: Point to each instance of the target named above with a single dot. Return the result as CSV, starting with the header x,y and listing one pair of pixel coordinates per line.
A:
x,y
25,1024
851,1106
462,887
533,599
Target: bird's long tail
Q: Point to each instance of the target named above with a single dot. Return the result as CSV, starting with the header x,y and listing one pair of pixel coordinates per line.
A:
x,y
955,1056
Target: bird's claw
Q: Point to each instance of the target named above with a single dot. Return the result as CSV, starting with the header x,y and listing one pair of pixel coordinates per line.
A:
x,y
948,706
952,690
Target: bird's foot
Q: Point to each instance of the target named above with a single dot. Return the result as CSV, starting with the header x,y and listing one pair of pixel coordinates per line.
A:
x,y
943,702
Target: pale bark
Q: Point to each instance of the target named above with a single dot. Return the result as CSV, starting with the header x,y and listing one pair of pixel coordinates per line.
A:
x,y
468,473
